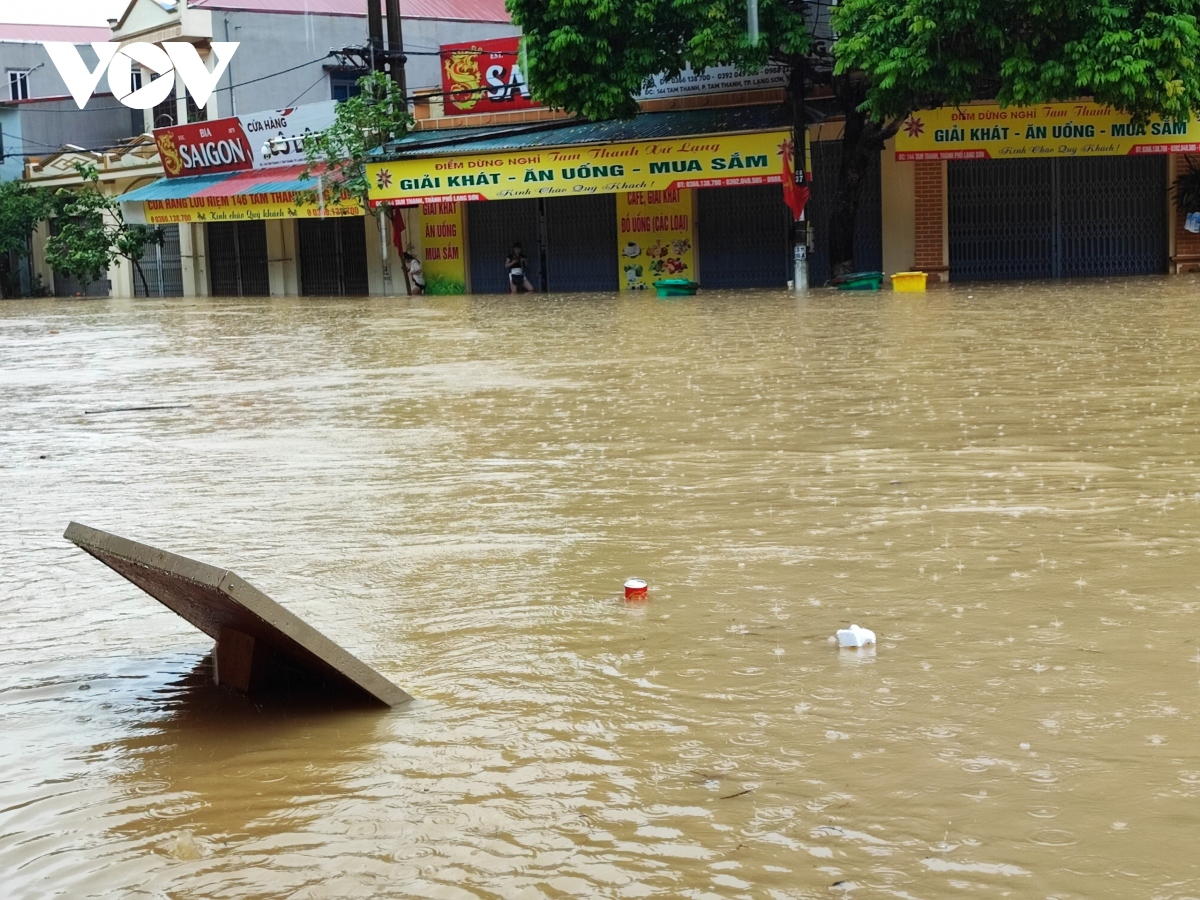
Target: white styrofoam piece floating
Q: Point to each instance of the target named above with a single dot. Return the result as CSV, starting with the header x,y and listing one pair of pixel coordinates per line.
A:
x,y
855,636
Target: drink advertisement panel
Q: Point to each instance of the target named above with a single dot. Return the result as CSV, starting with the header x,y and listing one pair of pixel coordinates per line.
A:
x,y
443,248
655,237
204,148
235,144
487,77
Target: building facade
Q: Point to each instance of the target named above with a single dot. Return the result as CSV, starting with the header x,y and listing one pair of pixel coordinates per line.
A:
x,y
292,53
37,114
973,194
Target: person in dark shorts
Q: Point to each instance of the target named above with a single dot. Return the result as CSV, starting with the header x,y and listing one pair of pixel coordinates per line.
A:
x,y
517,265
416,274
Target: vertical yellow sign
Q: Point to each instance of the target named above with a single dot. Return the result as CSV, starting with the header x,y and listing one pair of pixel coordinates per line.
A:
x,y
443,248
656,238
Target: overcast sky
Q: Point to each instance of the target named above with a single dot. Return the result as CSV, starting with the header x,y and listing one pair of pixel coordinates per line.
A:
x,y
62,12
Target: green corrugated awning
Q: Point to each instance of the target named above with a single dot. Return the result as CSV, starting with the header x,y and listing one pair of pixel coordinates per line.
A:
x,y
567,133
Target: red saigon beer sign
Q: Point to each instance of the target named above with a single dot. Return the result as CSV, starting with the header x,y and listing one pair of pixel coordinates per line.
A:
x,y
235,144
204,148
484,77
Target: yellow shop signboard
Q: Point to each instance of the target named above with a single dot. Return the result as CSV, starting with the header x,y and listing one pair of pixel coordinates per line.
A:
x,y
722,160
987,131
245,208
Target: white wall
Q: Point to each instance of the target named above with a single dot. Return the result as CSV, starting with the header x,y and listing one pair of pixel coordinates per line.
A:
x,y
899,212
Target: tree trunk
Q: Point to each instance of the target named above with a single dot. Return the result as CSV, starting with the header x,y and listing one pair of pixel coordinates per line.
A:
x,y
862,141
137,267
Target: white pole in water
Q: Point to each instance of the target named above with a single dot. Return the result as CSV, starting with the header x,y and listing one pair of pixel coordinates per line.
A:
x,y
752,21
800,268
383,252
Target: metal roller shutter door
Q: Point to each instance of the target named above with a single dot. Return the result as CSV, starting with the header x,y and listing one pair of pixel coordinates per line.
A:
x,y
1051,218
1113,215
237,255
743,237
352,242
581,243
223,276
492,228
1001,219
333,257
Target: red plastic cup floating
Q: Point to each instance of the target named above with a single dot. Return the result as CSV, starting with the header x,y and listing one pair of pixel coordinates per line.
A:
x,y
635,589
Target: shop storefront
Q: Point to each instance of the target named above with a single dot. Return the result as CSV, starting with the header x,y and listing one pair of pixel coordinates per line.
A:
x,y
237,217
256,225
1054,191
599,207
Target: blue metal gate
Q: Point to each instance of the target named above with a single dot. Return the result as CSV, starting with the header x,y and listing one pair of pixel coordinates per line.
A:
x,y
743,237
1114,216
868,227
162,264
1052,218
581,243
492,228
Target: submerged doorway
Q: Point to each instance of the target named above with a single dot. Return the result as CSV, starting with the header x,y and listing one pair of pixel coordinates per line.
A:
x,y
1057,218
333,257
237,259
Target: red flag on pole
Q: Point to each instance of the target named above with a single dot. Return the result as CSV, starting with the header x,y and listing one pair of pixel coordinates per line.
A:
x,y
794,195
397,217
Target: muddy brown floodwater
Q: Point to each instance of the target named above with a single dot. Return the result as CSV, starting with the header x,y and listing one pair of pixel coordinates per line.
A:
x,y
1000,481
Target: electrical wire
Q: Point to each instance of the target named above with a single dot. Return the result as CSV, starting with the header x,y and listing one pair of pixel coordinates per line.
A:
x,y
320,78
219,88
239,84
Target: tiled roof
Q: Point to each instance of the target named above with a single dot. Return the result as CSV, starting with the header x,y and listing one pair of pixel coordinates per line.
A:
x,y
566,133
75,34
456,10
286,178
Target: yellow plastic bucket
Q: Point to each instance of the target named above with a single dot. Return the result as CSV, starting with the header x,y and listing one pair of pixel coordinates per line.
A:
x,y
908,282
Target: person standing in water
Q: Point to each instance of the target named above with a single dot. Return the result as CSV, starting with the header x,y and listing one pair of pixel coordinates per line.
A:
x,y
516,265
416,273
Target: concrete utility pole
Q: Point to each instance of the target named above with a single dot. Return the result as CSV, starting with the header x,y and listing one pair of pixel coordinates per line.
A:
x,y
375,35
394,65
395,52
800,176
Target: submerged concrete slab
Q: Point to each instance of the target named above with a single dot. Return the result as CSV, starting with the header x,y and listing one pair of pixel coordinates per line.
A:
x,y
259,643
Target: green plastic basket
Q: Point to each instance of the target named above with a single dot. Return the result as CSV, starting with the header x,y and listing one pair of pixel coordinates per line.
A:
x,y
858,281
676,287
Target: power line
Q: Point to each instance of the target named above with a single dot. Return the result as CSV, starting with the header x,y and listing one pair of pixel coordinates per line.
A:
x,y
219,88
320,78
275,74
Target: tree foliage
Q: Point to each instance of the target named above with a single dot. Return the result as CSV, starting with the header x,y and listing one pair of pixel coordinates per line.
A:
x,y
91,233
592,57
365,122
1186,187
21,209
1138,56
